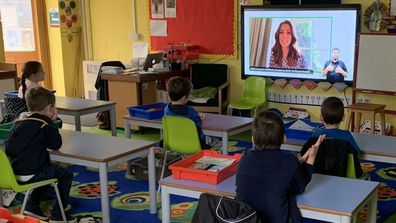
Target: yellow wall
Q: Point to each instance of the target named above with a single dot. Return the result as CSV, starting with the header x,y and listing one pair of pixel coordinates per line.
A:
x,y
55,46
72,55
113,23
2,57
66,57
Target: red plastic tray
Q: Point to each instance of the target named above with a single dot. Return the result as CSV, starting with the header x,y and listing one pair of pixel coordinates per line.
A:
x,y
182,170
5,214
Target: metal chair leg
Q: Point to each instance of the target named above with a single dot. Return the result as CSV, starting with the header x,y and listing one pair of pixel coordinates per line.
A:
x,y
27,194
55,186
163,168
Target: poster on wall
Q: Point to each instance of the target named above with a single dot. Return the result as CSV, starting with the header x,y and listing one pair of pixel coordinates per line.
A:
x,y
157,11
54,17
158,28
170,9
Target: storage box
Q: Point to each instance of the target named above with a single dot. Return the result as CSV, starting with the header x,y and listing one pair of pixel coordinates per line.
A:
x,y
182,170
151,111
6,128
5,214
139,167
11,94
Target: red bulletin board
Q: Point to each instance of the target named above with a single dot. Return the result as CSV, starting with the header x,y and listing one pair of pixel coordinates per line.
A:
x,y
210,24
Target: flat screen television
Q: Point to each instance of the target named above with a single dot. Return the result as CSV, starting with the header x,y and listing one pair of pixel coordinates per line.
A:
x,y
300,42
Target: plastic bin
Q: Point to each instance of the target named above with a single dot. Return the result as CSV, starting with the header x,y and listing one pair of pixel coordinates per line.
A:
x,y
182,170
11,94
6,128
151,111
5,214
15,93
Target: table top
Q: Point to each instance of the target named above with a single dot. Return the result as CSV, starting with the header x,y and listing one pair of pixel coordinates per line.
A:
x,y
214,122
78,104
143,77
376,144
369,144
366,106
98,148
328,194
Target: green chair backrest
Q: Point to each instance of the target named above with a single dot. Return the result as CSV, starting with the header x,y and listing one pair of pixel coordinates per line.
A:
x,y
254,90
351,167
7,179
180,135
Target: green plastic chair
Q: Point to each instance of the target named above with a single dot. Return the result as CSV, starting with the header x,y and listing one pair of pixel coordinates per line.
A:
x,y
9,182
351,172
180,135
253,96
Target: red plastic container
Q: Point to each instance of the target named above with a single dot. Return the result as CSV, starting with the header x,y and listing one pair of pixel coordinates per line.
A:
x,y
5,214
182,170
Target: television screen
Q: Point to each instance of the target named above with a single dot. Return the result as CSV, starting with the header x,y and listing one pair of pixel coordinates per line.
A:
x,y
315,42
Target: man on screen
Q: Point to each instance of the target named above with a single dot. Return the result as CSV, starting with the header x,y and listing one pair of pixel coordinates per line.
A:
x,y
335,69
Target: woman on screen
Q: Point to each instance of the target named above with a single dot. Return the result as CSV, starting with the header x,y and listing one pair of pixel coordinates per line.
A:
x,y
284,53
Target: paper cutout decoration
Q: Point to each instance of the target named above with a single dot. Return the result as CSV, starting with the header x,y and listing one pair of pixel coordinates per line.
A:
x,y
281,83
325,86
310,85
340,86
268,82
296,83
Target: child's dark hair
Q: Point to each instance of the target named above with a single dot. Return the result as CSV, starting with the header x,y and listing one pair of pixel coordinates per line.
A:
x,y
38,98
332,110
28,69
178,87
268,131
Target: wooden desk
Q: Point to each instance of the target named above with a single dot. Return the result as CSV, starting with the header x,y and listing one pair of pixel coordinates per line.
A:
x,y
131,89
77,107
327,198
213,125
101,152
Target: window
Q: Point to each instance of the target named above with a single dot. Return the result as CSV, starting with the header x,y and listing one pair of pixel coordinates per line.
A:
x,y
16,17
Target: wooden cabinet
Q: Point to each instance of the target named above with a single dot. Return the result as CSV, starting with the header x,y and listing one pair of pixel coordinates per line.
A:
x,y
8,75
131,89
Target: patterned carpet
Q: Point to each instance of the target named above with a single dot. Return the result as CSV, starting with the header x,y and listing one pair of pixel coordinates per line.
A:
x,y
130,201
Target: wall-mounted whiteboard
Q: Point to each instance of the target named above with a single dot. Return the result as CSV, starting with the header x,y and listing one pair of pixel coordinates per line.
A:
x,y
376,68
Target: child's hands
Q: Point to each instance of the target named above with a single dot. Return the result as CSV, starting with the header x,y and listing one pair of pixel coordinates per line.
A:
x,y
313,150
202,116
53,114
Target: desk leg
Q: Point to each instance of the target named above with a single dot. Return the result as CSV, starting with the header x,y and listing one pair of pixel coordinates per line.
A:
x,y
127,132
372,208
113,121
1,198
104,194
77,122
127,129
224,141
165,202
2,109
152,192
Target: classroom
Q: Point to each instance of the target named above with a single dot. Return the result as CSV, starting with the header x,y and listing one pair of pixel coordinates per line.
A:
x,y
106,60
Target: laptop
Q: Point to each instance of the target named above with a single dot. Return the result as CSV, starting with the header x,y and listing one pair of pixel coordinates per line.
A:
x,y
151,59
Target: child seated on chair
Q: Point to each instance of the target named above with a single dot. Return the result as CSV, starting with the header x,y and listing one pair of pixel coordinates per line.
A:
x,y
179,89
30,137
332,113
268,178
332,159
32,73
